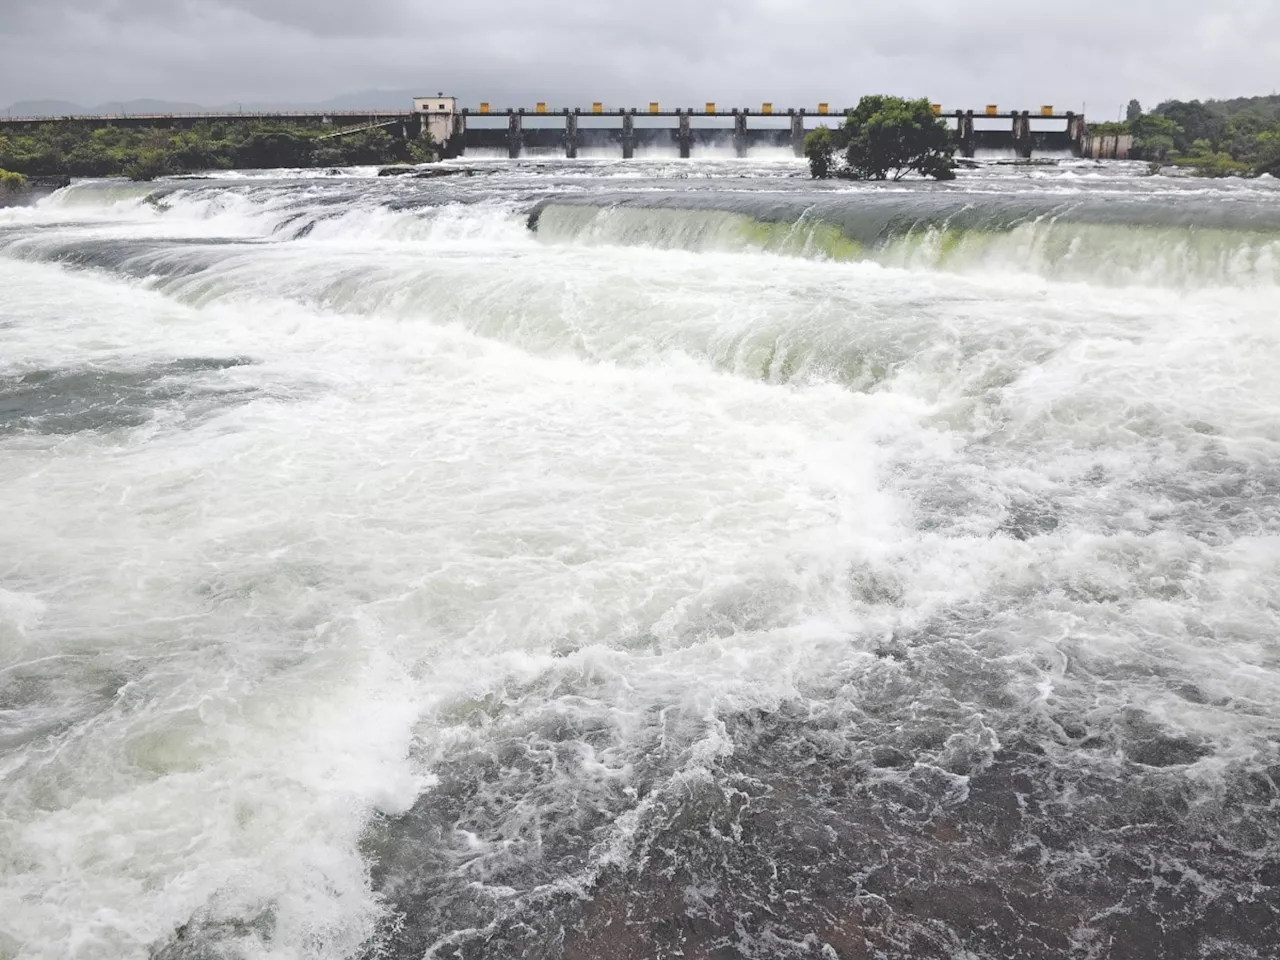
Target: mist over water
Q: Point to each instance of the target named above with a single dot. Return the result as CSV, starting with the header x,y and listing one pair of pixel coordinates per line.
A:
x,y
665,558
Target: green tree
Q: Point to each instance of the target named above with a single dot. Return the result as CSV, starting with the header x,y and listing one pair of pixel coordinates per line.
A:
x,y
889,137
96,149
886,138
369,146
1267,154
1197,120
820,149
269,150
422,150
1268,106
1134,111
147,166
1154,136
1245,132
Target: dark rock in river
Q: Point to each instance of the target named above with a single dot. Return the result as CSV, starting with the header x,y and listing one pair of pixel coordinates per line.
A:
x,y
435,172
430,173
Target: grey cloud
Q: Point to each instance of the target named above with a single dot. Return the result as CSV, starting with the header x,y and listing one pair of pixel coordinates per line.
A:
x,y
570,52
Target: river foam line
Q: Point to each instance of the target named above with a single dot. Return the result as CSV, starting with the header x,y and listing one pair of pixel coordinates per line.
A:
x,y
1111,244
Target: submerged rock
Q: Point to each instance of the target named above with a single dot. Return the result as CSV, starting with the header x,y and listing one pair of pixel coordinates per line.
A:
x,y
34,189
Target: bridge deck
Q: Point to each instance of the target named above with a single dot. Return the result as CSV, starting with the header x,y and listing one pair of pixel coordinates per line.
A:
x,y
241,115
731,113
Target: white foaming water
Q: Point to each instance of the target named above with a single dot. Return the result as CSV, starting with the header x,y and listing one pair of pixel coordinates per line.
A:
x,y
369,554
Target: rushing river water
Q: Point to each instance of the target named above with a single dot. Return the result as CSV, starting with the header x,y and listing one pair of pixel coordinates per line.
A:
x,y
616,561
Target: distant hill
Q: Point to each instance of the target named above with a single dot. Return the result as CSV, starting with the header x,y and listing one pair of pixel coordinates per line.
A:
x,y
44,108
147,106
367,100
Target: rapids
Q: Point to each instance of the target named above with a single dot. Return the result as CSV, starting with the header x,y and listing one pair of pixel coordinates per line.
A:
x,y
593,559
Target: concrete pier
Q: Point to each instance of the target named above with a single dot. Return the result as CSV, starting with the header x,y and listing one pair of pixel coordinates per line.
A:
x,y
571,134
965,145
629,134
1110,146
798,132
1022,134
685,135
739,133
1076,129
515,134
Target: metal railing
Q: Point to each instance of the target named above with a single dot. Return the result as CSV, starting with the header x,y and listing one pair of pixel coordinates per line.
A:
x,y
209,115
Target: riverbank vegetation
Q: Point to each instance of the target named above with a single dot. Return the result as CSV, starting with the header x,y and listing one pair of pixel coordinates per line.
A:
x,y
1217,138
11,182
88,149
883,138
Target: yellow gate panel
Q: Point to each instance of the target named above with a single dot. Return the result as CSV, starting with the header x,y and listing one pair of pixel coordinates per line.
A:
x,y
822,109
484,106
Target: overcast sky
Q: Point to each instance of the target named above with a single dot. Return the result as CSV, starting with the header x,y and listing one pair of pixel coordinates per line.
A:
x,y
1017,53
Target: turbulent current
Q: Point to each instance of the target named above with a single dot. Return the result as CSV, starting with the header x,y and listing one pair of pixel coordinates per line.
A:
x,y
623,561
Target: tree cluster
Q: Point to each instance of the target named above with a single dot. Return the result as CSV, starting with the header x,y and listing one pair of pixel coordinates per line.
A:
x,y
1216,138
883,138
87,149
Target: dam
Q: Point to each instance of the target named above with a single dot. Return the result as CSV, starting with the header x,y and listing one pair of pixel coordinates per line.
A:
x,y
627,131
572,130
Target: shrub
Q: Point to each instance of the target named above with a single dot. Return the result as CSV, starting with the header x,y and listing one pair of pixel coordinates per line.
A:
x,y
1210,163
11,182
422,150
1154,136
148,166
